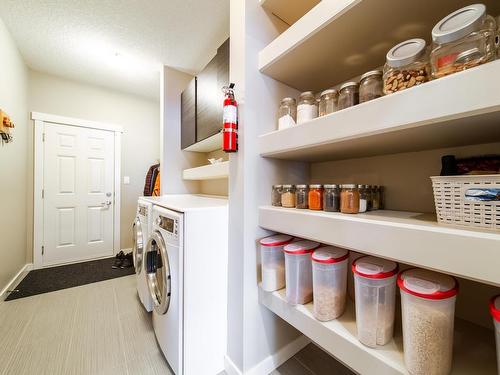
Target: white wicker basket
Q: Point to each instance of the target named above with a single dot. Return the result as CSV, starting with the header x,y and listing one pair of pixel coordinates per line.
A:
x,y
455,208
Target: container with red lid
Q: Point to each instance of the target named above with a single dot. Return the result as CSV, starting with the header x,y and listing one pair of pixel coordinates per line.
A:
x,y
375,294
273,261
350,276
329,266
495,313
428,306
298,271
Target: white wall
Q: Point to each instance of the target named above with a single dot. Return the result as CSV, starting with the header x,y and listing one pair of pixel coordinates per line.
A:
x,y
140,118
13,160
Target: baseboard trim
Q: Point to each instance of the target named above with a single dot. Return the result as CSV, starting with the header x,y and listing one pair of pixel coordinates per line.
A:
x,y
14,282
272,362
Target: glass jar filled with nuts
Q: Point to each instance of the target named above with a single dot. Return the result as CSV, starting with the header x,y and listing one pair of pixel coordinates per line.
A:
x,y
407,65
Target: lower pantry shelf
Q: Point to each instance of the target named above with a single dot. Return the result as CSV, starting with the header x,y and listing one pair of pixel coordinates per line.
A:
x,y
474,346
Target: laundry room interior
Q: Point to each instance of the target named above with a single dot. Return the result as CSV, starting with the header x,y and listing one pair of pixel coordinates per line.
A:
x,y
250,187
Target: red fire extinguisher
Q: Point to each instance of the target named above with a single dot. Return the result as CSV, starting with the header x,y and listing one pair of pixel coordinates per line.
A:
x,y
230,120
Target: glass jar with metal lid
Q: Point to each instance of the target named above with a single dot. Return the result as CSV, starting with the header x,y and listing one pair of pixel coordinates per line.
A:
x,y
276,195
307,108
331,198
288,196
407,65
301,196
371,86
287,113
328,102
316,197
375,190
462,40
348,95
363,198
349,199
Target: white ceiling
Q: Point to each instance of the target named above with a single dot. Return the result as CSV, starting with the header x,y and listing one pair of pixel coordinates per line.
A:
x,y
119,44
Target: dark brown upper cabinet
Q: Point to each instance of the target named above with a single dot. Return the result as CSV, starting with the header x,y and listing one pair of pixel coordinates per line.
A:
x,y
188,115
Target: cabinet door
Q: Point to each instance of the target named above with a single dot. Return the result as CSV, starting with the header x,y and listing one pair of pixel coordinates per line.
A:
x,y
188,115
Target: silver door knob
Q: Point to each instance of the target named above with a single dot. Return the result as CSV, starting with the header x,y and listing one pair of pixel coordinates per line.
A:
x,y
106,204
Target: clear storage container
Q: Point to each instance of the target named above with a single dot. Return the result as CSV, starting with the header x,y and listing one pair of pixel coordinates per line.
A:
x,y
406,66
349,199
331,198
302,196
328,102
287,113
298,271
348,95
329,266
375,294
462,40
316,197
307,108
495,313
428,307
288,196
371,86
273,261
276,195
350,277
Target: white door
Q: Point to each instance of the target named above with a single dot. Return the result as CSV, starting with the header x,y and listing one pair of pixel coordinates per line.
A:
x,y
78,201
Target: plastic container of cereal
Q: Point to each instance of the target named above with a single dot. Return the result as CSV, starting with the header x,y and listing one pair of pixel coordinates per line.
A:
x,y
273,261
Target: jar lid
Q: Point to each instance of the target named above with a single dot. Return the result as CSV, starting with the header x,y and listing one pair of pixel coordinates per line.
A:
x,y
329,91
276,240
495,308
315,186
374,268
306,94
459,24
287,186
301,247
277,186
348,84
331,186
330,254
349,186
427,284
405,52
285,100
371,73
301,186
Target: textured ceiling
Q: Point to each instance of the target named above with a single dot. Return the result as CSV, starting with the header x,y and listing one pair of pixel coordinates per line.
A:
x,y
119,44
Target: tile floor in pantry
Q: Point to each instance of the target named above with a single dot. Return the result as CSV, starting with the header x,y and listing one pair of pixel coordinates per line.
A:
x,y
101,328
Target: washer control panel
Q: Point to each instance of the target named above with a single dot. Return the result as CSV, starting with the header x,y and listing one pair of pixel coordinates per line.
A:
x,y
168,224
143,211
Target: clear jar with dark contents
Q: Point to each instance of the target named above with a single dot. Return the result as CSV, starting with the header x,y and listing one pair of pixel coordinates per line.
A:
x,y
331,198
349,199
328,102
363,198
276,195
288,196
375,197
348,95
371,86
301,196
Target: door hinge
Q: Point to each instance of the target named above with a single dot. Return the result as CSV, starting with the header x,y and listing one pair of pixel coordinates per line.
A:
x,y
43,250
43,137
43,193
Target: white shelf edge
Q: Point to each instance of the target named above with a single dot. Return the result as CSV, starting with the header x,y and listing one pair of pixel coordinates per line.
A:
x,y
212,143
405,237
474,347
207,172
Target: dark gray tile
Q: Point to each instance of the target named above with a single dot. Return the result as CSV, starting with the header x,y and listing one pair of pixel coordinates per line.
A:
x,y
321,363
292,367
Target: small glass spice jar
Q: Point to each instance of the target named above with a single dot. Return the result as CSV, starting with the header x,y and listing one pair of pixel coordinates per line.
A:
x,y
363,198
288,196
301,196
375,198
369,196
315,197
349,199
276,195
406,66
331,198
307,108
328,102
348,95
287,113
371,86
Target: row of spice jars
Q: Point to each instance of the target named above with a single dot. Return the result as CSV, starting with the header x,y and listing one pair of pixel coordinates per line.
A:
x,y
346,198
311,272
463,39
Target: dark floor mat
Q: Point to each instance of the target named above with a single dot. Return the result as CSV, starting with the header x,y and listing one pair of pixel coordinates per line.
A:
x,y
55,278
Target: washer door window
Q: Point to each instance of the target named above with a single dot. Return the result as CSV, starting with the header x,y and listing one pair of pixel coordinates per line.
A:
x,y
138,245
158,269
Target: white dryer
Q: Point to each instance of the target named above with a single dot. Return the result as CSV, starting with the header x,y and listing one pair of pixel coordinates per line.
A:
x,y
141,229
186,263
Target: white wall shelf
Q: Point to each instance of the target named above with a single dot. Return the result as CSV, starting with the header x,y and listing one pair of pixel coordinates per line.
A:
x,y
288,10
209,144
207,172
474,348
340,39
460,109
411,238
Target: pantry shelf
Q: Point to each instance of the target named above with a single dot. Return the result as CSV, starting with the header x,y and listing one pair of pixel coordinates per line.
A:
x,y
412,238
212,143
460,109
474,346
338,40
207,172
288,10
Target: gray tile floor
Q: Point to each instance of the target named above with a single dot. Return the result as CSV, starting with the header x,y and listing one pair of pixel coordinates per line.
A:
x,y
100,329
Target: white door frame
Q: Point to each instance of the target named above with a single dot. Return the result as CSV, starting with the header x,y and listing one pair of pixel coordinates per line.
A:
x,y
39,120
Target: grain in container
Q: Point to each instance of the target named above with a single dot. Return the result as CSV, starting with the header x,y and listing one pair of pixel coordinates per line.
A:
x,y
273,261
288,196
375,294
462,40
298,271
428,307
495,313
329,266
307,108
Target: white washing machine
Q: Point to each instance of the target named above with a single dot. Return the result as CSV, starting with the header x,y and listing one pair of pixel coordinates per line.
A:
x,y
141,229
186,262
